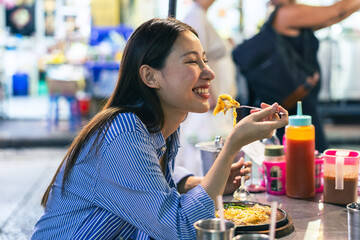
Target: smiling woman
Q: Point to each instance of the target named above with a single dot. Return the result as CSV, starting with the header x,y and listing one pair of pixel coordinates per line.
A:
x,y
186,64
116,180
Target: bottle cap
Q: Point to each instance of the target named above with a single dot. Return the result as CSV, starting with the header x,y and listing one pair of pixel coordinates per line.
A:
x,y
274,150
299,119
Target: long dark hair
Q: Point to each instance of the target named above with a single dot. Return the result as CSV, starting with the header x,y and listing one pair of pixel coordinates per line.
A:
x,y
151,44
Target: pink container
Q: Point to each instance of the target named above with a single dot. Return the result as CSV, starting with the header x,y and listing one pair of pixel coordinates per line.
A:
x,y
341,173
275,176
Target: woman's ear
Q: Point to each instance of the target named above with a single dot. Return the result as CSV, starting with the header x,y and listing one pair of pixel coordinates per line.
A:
x,y
148,76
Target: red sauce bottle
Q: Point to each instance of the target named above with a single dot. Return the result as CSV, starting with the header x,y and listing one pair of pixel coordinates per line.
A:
x,y
300,156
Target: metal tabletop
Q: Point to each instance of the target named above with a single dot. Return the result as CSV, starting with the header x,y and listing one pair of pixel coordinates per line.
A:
x,y
312,218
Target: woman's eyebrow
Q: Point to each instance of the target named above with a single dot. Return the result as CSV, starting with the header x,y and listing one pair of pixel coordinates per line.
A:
x,y
192,52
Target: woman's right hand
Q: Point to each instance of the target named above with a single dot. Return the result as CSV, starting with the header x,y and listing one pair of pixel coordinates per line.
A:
x,y
257,125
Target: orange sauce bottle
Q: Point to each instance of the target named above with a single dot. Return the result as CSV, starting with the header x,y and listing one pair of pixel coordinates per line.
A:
x,y
300,156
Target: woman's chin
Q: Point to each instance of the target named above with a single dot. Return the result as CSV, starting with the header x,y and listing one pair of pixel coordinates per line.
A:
x,y
203,109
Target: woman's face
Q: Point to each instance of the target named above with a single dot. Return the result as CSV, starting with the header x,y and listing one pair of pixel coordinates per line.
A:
x,y
185,80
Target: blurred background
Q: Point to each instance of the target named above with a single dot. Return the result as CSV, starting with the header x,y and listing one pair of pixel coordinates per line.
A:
x,y
59,61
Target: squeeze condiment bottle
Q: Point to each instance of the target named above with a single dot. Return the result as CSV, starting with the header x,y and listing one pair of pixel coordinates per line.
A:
x,y
300,156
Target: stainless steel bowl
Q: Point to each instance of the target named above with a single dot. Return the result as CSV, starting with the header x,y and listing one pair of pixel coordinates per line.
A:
x,y
209,152
209,229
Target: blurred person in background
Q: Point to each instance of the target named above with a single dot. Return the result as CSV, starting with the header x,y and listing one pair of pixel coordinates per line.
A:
x,y
218,53
296,24
116,180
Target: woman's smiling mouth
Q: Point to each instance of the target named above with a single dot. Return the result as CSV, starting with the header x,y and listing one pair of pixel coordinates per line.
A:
x,y
201,90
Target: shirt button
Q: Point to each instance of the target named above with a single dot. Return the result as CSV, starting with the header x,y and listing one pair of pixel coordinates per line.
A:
x,y
163,149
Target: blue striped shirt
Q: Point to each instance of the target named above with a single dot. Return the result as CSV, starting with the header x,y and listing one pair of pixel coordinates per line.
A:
x,y
121,192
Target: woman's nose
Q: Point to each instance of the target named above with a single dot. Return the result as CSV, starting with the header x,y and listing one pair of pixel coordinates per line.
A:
x,y
207,73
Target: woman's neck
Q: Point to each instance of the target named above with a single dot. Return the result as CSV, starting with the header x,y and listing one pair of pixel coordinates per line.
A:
x,y
172,123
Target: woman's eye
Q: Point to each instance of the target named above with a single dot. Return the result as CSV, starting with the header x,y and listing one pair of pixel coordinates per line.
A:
x,y
196,62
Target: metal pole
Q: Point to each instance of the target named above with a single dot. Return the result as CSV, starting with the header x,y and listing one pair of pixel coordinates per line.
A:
x,y
241,23
172,8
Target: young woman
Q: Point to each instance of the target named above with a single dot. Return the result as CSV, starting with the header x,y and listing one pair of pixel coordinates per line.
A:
x,y
218,53
116,181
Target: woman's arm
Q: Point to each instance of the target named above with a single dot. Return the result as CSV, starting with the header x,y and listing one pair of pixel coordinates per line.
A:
x,y
188,183
256,126
233,182
295,16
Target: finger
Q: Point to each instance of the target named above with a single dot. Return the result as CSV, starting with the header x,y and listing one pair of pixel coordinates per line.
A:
x,y
269,126
245,171
279,109
279,112
248,164
282,110
241,160
255,110
282,116
237,180
274,117
266,112
264,105
236,166
282,122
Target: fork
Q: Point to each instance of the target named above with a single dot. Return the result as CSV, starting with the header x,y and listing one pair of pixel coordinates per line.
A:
x,y
257,108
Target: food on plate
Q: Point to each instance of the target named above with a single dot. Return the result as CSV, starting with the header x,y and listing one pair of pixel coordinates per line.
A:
x,y
246,215
224,103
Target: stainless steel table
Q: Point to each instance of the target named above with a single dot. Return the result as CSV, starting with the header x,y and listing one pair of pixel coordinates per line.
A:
x,y
312,218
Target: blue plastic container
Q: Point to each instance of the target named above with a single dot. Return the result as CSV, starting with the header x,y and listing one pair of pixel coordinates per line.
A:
x,y
20,83
99,34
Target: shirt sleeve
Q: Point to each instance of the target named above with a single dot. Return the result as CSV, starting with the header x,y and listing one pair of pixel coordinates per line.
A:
x,y
132,186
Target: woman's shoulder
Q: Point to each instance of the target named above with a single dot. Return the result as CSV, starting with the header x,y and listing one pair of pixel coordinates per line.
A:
x,y
129,122
125,123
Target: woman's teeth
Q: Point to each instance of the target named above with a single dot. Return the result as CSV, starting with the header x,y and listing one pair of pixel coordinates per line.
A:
x,y
201,90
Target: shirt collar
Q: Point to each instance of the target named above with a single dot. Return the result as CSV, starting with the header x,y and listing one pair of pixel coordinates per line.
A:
x,y
159,140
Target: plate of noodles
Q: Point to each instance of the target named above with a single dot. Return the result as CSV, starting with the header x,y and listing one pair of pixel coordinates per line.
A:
x,y
252,216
